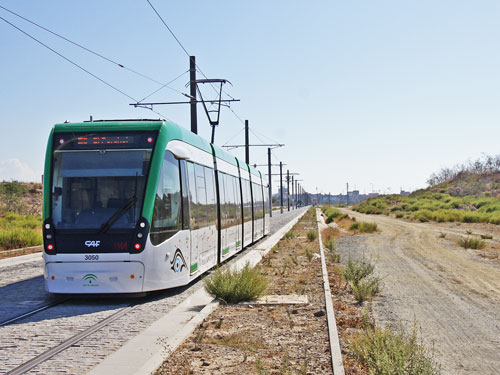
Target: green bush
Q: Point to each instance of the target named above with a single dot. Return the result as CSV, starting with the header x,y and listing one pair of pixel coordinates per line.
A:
x,y
472,243
364,227
486,237
357,270
233,286
19,237
290,235
311,235
366,288
385,352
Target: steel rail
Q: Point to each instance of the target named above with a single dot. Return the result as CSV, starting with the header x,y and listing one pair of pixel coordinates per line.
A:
x,y
27,366
33,312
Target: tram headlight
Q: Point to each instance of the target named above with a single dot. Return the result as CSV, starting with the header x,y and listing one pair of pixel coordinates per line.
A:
x,y
139,235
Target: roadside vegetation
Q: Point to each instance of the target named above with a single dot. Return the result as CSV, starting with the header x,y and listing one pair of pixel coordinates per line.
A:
x,y
20,219
467,193
233,286
384,351
332,214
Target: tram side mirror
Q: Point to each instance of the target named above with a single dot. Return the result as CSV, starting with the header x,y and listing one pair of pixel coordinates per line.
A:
x,y
57,192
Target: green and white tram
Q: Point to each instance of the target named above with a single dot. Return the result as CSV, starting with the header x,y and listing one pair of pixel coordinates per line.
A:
x,y
142,205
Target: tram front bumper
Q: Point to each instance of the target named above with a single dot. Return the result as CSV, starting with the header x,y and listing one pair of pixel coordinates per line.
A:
x,y
94,277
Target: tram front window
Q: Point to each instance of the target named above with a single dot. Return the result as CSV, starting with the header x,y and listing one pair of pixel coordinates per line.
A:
x,y
98,189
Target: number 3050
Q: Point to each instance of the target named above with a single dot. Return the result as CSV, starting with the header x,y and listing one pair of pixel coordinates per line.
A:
x,y
92,257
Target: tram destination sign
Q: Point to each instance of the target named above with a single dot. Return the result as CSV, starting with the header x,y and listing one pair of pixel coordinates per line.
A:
x,y
98,140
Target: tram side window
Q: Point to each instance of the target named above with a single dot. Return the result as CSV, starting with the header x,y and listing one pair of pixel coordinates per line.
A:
x,y
257,201
237,198
247,201
167,207
266,200
201,212
193,201
211,199
229,206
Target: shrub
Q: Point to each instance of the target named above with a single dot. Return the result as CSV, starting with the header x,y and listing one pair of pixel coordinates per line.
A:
x,y
486,236
366,288
333,257
330,245
290,235
383,352
233,286
357,270
309,254
311,235
368,227
471,243
19,237
364,227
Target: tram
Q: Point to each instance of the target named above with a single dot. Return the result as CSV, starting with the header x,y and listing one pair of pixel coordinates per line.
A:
x,y
132,206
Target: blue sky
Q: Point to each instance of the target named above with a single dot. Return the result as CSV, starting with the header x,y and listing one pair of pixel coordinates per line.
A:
x,y
365,92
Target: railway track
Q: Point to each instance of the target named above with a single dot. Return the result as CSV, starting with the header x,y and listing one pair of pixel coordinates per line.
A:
x,y
27,366
33,312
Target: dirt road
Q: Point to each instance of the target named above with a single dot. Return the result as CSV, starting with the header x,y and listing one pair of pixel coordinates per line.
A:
x,y
453,294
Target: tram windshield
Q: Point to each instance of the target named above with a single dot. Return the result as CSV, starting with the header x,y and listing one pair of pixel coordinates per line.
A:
x,y
98,189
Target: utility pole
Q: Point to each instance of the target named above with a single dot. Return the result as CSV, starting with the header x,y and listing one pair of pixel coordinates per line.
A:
x,y
347,195
281,186
288,189
192,93
292,193
247,144
270,179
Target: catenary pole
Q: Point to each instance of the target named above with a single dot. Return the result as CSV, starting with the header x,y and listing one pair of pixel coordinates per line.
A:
x,y
192,92
270,179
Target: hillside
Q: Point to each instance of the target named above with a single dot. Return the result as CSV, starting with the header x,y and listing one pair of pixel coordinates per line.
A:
x,y
467,197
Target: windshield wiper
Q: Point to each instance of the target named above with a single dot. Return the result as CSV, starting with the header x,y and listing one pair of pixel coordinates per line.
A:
x,y
118,214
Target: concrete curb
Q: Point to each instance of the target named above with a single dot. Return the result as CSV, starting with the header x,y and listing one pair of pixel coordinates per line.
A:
x,y
20,259
144,353
337,365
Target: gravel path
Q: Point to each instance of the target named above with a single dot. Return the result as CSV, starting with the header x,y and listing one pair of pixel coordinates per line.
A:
x,y
452,293
21,289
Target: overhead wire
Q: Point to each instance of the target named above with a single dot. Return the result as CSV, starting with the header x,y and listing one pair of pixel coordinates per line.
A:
x,y
165,85
89,50
182,46
69,60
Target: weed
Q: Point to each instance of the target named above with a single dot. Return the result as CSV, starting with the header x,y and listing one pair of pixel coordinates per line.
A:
x,y
311,235
366,288
486,236
295,259
233,286
472,243
330,245
468,231
309,254
290,235
442,235
383,351
364,227
333,257
355,226
357,270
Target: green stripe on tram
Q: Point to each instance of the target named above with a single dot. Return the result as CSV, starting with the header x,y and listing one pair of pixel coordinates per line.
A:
x,y
194,267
